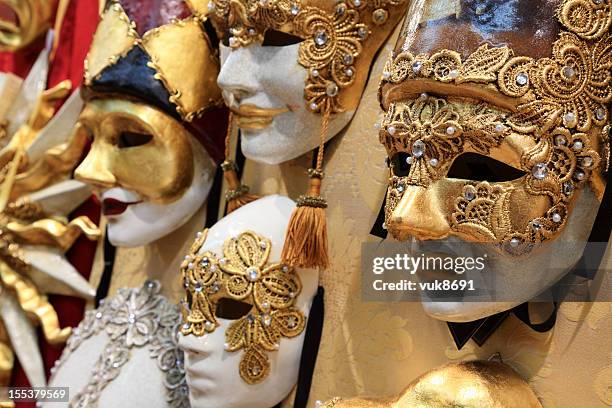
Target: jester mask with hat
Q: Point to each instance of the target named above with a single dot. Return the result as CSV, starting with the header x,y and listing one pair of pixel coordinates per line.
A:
x,y
152,112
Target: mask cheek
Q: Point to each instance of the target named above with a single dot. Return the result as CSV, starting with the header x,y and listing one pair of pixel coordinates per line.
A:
x,y
161,173
525,207
493,212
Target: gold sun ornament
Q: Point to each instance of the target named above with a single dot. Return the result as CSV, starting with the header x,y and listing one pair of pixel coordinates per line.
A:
x,y
36,195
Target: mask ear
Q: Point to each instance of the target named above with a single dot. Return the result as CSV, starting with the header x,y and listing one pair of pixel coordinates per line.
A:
x,y
312,341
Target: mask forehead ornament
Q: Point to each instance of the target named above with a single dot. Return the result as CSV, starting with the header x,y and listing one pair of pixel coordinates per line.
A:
x,y
547,118
243,273
340,39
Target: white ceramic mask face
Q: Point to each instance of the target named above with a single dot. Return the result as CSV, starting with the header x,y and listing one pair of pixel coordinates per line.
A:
x,y
212,373
522,280
270,78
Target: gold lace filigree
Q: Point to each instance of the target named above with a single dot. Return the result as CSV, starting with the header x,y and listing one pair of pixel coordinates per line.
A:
x,y
570,89
556,106
244,274
333,39
435,132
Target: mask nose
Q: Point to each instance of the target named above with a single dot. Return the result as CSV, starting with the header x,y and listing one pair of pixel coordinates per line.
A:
x,y
194,346
237,75
419,214
95,169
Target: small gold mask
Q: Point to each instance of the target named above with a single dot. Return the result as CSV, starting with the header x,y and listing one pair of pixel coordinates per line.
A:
x,y
243,274
472,384
137,147
32,18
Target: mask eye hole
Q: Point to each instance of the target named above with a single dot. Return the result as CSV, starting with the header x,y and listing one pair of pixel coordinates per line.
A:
x,y
400,165
476,167
133,139
231,309
274,38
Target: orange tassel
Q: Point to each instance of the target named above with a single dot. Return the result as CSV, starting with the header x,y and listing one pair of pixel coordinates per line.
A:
x,y
306,243
237,194
306,240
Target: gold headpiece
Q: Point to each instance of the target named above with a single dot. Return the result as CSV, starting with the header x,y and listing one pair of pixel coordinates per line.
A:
x,y
243,274
32,18
554,107
190,89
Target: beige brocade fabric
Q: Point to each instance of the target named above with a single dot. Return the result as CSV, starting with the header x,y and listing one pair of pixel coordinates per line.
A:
x,y
378,348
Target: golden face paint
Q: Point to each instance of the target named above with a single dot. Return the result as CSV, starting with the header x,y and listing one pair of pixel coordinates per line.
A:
x,y
251,117
30,18
136,147
542,118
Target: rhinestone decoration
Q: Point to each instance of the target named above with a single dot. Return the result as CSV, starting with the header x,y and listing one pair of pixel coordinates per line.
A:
x,y
539,171
418,148
522,79
569,118
417,66
560,140
380,16
331,89
321,38
568,72
252,273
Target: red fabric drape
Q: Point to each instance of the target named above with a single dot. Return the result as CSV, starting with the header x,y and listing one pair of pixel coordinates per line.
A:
x,y
20,62
76,34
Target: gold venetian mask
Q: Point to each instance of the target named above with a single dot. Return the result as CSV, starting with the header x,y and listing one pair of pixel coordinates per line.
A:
x,y
338,39
239,280
137,147
475,384
28,20
490,145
